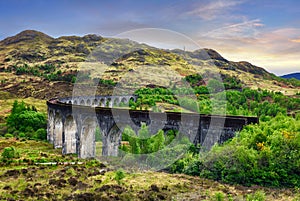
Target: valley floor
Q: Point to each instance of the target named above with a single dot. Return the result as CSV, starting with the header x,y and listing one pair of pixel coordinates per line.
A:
x,y
23,179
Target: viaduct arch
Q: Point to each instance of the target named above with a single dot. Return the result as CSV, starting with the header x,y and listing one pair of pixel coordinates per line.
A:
x,y
72,122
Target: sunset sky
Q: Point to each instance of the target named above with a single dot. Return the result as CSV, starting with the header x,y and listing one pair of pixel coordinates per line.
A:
x,y
263,32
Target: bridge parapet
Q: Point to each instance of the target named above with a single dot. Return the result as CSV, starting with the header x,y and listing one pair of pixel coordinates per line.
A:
x,y
99,101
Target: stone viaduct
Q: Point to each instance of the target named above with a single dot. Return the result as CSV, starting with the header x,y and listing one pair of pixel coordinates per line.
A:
x,y
72,123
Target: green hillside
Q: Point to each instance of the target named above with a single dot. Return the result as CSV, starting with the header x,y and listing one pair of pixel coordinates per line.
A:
x,y
35,67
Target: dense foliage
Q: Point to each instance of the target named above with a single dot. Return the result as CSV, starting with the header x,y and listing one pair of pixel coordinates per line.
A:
x,y
262,103
144,142
155,150
228,82
266,154
47,71
26,121
52,72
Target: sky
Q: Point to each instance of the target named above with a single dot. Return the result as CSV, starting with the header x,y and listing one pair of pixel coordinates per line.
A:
x,y
263,32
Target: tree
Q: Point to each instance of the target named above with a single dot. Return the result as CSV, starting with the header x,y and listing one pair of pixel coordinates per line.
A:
x,y
25,118
144,136
158,141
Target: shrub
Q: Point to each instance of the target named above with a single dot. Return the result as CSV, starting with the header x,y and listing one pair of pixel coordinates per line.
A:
x,y
257,196
219,196
22,135
41,134
119,175
26,119
9,153
8,135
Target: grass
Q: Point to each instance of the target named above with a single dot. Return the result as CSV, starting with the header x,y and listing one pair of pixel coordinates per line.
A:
x,y
92,180
98,148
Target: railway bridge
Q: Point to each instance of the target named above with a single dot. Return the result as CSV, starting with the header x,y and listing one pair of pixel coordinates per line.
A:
x,y
72,123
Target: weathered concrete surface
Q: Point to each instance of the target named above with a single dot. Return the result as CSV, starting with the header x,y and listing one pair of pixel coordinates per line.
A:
x,y
72,127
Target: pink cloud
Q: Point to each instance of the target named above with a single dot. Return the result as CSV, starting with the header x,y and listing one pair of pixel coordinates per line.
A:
x,y
296,40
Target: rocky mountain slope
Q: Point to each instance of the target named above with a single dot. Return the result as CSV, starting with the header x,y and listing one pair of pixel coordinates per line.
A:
x,y
31,62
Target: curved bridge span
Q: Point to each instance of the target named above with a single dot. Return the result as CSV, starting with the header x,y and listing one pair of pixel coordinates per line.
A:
x,y
72,123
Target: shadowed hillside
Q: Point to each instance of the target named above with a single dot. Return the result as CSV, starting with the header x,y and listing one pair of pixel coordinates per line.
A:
x,y
292,75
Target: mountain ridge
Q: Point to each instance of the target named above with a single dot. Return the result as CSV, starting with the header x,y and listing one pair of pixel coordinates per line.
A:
x,y
26,35
30,49
291,75
37,36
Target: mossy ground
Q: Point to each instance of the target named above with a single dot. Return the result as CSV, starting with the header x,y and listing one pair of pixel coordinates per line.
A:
x,y
23,179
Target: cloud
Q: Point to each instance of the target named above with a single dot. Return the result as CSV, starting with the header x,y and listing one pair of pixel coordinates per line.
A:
x,y
214,9
276,50
244,29
296,40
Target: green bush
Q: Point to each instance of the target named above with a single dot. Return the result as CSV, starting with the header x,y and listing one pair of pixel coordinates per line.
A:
x,y
119,175
26,120
8,135
219,196
9,153
257,196
144,142
41,134
22,135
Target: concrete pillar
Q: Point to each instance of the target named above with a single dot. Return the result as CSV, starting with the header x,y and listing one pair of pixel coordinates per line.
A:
x,y
50,126
87,146
70,129
211,130
111,141
58,131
